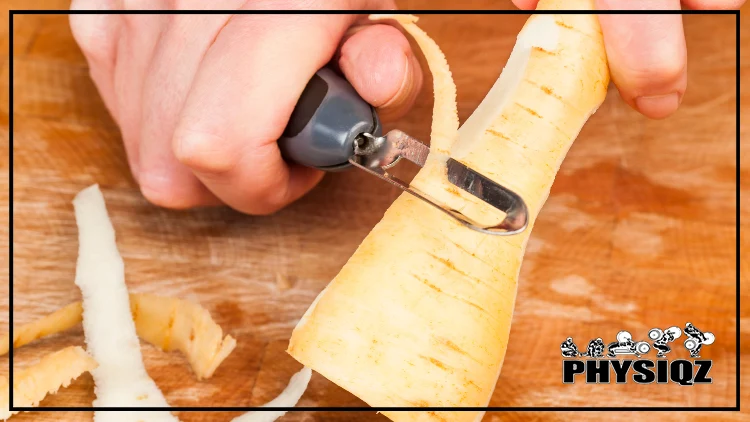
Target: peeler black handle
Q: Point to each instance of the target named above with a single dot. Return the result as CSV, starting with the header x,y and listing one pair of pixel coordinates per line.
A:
x,y
327,119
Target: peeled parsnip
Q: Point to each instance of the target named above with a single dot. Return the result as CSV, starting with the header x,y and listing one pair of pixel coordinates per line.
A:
x,y
420,315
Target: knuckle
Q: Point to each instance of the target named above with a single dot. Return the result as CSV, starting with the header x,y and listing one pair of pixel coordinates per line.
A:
x,y
274,199
258,200
164,198
171,187
263,209
668,70
94,34
269,196
203,152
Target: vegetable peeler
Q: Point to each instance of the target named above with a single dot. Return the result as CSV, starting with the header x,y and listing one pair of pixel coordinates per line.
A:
x,y
332,129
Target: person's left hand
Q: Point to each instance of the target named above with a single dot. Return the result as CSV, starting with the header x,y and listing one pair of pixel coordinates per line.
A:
x,y
646,53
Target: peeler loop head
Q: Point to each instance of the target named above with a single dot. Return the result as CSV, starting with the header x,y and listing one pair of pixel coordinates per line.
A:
x,y
517,215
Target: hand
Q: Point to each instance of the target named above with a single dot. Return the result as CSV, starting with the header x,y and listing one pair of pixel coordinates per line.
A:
x,y
202,99
646,53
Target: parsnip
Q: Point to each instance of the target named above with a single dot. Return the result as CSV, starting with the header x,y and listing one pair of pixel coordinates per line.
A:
x,y
166,322
420,315
32,384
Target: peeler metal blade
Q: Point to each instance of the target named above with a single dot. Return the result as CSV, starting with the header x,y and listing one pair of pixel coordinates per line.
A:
x,y
377,154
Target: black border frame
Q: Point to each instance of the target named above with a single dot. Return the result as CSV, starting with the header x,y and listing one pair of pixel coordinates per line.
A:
x,y
735,408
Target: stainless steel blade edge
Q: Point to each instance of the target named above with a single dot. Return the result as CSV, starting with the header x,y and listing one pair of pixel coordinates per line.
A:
x,y
376,154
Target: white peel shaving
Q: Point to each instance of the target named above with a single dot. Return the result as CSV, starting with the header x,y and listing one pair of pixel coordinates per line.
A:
x,y
120,379
288,398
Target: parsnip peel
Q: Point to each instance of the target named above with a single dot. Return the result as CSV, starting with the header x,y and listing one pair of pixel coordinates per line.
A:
x,y
121,379
32,384
63,319
174,324
166,322
288,398
110,322
445,110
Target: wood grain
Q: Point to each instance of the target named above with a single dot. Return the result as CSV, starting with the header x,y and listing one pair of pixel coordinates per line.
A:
x,y
639,232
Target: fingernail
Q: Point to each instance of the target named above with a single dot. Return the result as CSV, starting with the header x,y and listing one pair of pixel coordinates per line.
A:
x,y
658,106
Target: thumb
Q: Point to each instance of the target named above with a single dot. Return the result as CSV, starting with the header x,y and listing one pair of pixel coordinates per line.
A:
x,y
647,55
379,63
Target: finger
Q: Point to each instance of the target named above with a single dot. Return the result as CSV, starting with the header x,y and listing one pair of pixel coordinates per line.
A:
x,y
95,34
381,66
647,55
713,4
136,43
526,4
165,181
127,77
238,107
97,37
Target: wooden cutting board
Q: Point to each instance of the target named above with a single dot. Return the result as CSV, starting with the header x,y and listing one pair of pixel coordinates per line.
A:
x,y
638,232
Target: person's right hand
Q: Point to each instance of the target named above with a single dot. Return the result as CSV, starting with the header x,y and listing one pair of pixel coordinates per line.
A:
x,y
202,99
